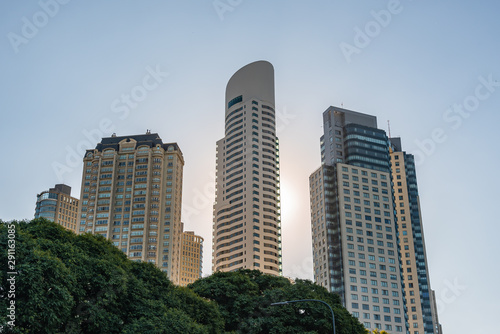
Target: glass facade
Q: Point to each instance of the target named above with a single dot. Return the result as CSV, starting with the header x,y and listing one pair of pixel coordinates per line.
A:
x,y
366,147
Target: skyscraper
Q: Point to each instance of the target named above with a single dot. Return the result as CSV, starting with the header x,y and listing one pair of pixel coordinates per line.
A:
x,y
354,230
414,257
368,242
131,194
57,205
247,226
337,123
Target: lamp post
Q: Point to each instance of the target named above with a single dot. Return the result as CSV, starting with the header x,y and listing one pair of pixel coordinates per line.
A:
x,y
308,300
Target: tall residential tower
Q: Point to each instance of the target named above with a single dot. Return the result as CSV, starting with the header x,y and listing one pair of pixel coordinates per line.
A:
x,y
131,194
247,226
355,246
365,215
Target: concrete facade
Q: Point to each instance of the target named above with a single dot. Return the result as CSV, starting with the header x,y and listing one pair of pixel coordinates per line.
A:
x,y
355,247
132,194
191,256
353,224
247,224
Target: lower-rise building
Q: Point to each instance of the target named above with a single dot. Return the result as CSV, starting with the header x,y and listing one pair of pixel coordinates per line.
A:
x,y
191,258
57,205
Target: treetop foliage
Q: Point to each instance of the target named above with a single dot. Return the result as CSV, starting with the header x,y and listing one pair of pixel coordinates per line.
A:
x,y
69,283
83,284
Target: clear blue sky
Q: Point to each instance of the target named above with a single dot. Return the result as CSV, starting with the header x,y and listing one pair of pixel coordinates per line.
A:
x,y
428,67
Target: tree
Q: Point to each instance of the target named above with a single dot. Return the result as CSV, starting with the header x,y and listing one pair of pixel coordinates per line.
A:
x,y
83,284
245,297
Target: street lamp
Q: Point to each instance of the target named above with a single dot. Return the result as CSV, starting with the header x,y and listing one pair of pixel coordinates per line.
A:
x,y
308,300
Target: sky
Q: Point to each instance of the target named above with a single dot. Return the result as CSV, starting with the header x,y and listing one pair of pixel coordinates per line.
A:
x,y
431,68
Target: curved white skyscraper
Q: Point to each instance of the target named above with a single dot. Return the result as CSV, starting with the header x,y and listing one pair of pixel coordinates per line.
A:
x,y
246,230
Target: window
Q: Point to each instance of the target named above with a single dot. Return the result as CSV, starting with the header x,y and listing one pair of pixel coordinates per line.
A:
x,y
233,102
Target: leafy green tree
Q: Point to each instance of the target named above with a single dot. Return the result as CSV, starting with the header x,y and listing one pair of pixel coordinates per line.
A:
x,y
83,284
245,297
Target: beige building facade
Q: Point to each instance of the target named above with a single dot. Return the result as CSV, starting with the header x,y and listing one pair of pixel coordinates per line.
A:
x,y
131,193
57,205
191,256
422,315
247,223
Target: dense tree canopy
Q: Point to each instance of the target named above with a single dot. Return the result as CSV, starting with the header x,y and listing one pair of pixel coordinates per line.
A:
x,y
245,299
83,284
